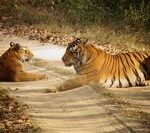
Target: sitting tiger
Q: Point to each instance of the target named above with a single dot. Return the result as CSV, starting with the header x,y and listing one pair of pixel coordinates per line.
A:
x,y
11,64
94,64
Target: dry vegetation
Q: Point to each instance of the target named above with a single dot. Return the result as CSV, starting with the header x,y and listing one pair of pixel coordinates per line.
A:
x,y
117,26
13,117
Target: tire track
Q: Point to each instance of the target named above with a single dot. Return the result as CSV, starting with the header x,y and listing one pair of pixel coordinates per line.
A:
x,y
76,111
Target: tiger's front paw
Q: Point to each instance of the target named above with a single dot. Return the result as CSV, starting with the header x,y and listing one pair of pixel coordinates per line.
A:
x,y
50,91
53,89
46,77
60,88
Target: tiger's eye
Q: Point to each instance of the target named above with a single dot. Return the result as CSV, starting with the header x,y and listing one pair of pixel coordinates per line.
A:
x,y
26,51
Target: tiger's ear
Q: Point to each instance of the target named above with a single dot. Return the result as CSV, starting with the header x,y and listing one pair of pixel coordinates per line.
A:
x,y
84,40
17,46
81,40
78,40
12,44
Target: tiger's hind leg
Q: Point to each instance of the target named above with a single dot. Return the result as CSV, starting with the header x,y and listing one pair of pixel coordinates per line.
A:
x,y
147,83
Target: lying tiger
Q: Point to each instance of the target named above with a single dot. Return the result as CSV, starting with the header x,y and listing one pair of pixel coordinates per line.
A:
x,y
11,64
94,64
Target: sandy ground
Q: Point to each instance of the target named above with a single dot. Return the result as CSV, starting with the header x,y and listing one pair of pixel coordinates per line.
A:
x,y
82,110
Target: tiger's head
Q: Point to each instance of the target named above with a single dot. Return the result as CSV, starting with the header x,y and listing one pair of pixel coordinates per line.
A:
x,y
74,54
20,52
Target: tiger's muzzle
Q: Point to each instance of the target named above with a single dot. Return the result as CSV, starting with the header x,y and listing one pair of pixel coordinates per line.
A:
x,y
66,62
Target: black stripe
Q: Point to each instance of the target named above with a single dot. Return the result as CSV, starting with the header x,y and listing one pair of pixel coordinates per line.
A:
x,y
112,82
89,57
124,69
137,57
112,63
129,55
134,69
128,81
127,61
120,85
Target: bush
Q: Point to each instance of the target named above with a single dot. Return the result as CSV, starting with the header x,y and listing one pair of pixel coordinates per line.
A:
x,y
138,16
107,12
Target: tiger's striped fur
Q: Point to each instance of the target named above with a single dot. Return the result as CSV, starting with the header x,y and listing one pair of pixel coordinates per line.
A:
x,y
94,64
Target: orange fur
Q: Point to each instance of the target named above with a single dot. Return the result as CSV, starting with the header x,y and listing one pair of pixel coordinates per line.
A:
x,y
94,64
11,65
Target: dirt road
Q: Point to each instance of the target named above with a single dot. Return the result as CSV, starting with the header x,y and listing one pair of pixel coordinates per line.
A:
x,y
82,110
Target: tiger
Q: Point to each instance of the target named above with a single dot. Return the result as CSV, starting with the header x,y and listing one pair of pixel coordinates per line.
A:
x,y
93,64
11,64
